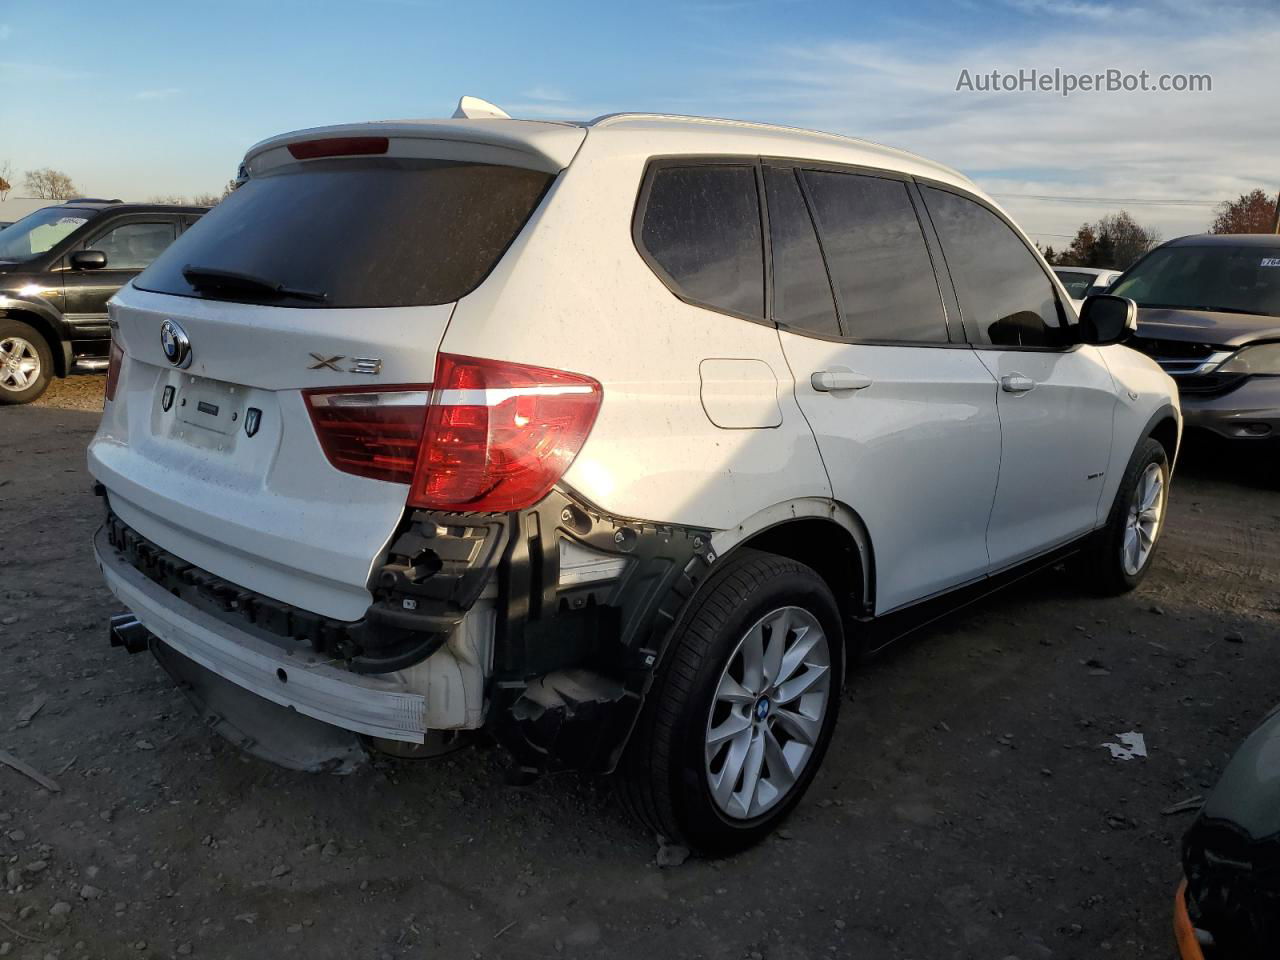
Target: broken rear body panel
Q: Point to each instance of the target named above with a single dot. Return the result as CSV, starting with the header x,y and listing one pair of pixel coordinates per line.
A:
x,y
566,659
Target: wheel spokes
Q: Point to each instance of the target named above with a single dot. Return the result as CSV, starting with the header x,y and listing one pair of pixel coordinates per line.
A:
x,y
794,688
723,784
731,691
803,728
753,659
779,630
751,769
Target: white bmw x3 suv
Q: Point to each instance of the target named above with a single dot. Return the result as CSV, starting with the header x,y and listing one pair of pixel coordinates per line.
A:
x,y
618,440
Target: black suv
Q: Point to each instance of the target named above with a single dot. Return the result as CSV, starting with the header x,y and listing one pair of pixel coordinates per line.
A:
x,y
58,268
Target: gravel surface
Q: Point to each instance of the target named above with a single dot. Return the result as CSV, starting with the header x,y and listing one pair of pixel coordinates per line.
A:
x,y
75,393
967,808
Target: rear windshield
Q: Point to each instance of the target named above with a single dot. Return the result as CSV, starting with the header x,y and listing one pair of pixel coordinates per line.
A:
x,y
376,232
1219,278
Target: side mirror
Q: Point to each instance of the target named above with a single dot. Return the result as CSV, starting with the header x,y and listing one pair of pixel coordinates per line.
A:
x,y
88,260
1106,319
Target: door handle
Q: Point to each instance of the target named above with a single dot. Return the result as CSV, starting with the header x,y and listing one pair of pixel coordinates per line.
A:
x,y
827,381
1017,383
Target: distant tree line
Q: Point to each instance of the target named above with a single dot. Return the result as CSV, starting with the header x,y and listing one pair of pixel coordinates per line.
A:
x,y
1117,240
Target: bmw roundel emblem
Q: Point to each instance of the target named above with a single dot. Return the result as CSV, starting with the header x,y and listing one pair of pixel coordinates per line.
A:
x,y
176,345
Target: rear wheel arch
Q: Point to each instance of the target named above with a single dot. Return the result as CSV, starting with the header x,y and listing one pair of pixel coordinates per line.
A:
x,y
822,534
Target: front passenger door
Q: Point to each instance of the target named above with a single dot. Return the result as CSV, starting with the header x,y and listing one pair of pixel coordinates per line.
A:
x,y
1056,398
130,246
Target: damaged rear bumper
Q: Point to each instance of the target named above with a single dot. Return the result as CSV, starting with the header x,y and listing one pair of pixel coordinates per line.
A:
x,y
544,626
297,678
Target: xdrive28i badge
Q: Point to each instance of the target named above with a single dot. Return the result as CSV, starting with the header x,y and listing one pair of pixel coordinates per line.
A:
x,y
176,345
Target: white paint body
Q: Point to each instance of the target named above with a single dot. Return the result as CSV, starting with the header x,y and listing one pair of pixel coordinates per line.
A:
x,y
707,420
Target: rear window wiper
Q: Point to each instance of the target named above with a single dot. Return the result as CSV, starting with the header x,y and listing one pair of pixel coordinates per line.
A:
x,y
212,280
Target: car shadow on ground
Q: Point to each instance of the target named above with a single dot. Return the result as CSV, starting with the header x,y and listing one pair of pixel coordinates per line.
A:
x,y
1254,464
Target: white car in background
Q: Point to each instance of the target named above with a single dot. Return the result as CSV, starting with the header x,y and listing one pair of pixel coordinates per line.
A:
x,y
1081,282
619,439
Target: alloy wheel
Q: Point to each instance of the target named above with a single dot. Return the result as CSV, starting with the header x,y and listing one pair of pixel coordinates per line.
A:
x,y
1146,513
768,712
19,364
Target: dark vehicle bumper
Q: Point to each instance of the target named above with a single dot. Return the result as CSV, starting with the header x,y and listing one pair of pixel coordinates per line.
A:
x,y
1231,856
1251,411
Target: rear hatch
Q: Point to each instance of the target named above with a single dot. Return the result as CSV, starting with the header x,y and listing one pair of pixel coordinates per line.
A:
x,y
328,278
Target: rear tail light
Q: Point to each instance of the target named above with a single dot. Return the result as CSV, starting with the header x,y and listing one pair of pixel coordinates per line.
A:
x,y
490,437
370,432
113,370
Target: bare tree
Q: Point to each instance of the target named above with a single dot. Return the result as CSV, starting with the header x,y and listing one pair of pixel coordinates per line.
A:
x,y
206,199
1254,212
1127,238
174,198
49,184
6,171
1116,240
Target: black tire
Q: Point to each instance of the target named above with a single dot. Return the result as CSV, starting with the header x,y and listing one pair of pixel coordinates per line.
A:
x,y
14,331
664,774
1105,569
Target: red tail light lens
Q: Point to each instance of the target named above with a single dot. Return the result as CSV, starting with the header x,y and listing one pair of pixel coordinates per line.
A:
x,y
491,437
373,432
499,435
113,370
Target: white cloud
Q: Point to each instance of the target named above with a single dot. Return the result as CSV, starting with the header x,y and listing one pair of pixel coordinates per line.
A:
x,y
545,93
1194,146
1065,8
162,94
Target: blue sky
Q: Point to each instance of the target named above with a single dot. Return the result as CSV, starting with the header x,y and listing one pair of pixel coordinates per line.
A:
x,y
144,98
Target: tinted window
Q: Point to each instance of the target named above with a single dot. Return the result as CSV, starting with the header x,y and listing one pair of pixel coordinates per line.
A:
x,y
133,246
376,232
1077,284
1219,277
801,289
876,252
1005,296
702,227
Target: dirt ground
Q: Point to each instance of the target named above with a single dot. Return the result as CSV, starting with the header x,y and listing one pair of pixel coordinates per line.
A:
x,y
967,808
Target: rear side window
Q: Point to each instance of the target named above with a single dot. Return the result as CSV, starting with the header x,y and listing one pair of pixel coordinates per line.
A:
x,y
376,232
700,231
1005,296
801,289
878,259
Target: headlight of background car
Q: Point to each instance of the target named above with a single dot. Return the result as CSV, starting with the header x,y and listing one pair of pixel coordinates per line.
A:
x,y
1264,359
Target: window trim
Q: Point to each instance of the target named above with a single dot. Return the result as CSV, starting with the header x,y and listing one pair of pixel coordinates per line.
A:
x,y
769,304
821,166
652,166
970,328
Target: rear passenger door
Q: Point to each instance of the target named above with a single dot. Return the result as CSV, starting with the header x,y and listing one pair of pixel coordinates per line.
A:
x,y
903,411
1056,399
